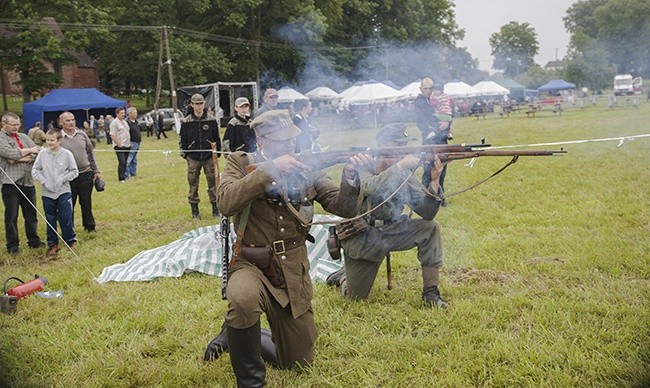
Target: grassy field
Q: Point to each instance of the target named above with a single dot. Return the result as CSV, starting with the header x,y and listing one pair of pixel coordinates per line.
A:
x,y
547,270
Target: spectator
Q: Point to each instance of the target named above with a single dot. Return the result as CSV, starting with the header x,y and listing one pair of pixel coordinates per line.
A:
x,y
161,126
136,137
55,167
148,122
77,142
306,141
94,125
270,101
37,135
239,136
122,139
17,155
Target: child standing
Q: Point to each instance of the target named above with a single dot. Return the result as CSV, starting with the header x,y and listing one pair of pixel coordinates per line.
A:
x,y
442,104
55,167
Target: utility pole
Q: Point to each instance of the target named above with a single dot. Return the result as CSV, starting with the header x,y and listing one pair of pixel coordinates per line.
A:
x,y
156,103
172,84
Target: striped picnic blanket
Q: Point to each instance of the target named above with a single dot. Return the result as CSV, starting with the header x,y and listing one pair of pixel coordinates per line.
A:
x,y
199,250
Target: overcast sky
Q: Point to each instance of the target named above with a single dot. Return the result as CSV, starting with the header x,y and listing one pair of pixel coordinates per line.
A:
x,y
482,18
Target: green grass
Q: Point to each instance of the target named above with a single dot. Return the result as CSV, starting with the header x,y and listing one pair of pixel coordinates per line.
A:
x,y
547,270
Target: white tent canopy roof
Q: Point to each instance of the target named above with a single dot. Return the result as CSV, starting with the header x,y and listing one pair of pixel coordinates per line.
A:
x,y
371,93
460,89
287,94
491,88
411,90
322,93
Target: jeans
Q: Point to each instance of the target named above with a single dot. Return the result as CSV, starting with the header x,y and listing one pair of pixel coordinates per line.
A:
x,y
60,210
13,199
82,188
132,160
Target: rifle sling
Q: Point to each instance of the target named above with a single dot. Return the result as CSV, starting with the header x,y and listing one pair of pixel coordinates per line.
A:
x,y
513,161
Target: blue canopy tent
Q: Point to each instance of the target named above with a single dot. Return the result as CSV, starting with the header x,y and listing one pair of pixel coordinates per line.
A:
x,y
555,86
81,102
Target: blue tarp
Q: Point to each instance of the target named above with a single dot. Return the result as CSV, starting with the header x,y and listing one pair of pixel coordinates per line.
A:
x,y
81,102
555,85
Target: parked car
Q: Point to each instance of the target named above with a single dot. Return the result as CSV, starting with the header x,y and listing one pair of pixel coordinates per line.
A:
x,y
168,120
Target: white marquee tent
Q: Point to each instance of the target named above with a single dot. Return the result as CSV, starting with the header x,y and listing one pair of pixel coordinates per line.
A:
x,y
322,93
460,89
287,95
411,90
372,93
491,88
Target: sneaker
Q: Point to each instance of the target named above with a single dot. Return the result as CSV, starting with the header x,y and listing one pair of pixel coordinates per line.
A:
x,y
53,251
431,298
336,278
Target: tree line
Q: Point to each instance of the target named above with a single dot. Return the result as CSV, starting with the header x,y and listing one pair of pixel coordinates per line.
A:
x,y
305,43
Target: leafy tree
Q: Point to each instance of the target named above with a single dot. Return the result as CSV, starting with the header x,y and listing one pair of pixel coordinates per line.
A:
x,y
514,48
621,28
31,42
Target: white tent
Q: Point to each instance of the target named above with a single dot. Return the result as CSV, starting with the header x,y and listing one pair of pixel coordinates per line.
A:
x,y
491,88
349,91
460,89
322,93
287,94
411,90
372,93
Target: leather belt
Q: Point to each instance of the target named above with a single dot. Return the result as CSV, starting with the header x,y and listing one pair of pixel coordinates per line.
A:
x,y
282,246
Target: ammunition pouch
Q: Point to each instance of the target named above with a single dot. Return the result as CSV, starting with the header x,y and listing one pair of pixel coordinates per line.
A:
x,y
333,244
262,258
347,229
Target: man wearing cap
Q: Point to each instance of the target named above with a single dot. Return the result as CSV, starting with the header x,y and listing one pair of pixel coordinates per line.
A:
x,y
270,101
389,229
272,206
239,136
198,131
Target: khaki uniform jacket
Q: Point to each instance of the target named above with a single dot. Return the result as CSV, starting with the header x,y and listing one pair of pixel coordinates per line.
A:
x,y
270,221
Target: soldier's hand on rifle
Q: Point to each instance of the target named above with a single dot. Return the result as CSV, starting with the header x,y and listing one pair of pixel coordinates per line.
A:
x,y
355,164
436,168
409,162
289,164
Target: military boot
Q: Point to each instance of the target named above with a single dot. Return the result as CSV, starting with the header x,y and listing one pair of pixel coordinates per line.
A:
x,y
195,211
246,355
217,346
430,293
335,278
215,210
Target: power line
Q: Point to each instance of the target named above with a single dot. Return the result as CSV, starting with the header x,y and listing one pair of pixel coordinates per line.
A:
x,y
23,25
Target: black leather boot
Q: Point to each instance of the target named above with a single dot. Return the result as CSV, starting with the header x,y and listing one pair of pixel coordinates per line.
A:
x,y
246,355
195,211
430,292
217,346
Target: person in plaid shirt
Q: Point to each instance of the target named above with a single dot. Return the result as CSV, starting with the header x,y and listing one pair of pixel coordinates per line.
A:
x,y
17,155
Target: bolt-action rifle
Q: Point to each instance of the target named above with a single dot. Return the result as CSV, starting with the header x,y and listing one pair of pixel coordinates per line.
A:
x,y
445,152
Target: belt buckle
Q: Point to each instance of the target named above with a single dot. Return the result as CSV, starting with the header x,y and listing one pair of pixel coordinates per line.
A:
x,y
278,247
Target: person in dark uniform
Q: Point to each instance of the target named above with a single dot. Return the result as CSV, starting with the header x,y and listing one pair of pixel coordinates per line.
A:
x,y
269,271
198,131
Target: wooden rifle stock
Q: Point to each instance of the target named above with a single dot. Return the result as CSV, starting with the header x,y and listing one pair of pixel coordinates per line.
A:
x,y
445,152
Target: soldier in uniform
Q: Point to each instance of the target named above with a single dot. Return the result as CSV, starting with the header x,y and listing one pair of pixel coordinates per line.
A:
x,y
388,229
198,131
269,271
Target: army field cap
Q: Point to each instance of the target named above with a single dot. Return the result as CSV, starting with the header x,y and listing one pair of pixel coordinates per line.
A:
x,y
270,92
275,125
393,132
197,98
241,101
